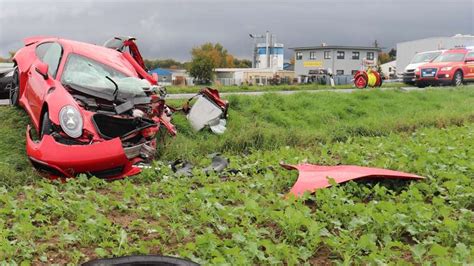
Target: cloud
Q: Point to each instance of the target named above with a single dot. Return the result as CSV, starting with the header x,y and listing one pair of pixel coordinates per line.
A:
x,y
170,29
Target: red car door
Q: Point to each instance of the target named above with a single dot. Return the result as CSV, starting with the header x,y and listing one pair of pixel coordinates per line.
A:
x,y
469,66
36,85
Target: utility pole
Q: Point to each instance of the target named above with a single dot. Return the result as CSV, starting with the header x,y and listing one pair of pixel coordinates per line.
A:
x,y
255,38
267,48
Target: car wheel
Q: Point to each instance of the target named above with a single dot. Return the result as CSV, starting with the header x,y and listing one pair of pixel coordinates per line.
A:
x,y
46,125
141,260
15,88
458,78
420,85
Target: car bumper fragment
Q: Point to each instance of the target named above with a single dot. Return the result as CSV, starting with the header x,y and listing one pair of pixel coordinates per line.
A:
x,y
105,159
314,177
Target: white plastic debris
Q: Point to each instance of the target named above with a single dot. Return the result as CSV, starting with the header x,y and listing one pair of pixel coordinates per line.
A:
x,y
218,128
205,113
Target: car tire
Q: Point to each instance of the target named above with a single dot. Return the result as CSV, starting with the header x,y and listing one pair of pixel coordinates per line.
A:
x,y
46,125
14,94
458,79
141,260
420,85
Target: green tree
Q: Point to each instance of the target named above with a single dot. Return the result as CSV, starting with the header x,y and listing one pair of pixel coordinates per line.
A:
x,y
11,54
384,58
206,58
201,68
215,52
242,63
393,53
163,63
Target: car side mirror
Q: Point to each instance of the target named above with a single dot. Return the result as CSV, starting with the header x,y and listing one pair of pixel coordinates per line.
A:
x,y
42,69
469,59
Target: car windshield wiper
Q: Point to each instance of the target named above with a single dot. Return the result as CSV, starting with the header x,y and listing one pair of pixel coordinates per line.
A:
x,y
95,92
105,93
116,87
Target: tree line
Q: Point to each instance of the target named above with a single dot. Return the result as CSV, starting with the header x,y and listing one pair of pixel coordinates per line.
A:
x,y
205,59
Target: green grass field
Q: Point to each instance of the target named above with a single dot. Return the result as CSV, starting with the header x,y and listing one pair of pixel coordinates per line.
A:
x,y
244,218
295,87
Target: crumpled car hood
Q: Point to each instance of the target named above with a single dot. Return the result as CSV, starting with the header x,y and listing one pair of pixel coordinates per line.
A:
x,y
313,177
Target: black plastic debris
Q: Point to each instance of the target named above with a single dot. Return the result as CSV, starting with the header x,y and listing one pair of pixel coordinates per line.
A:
x,y
182,168
218,164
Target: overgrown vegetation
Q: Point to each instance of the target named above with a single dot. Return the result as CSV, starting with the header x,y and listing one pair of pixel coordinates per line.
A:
x,y
305,119
15,169
243,218
283,87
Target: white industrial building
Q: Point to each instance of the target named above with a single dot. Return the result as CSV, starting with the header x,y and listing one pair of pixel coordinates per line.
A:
x,y
389,69
406,50
267,65
252,76
272,59
268,54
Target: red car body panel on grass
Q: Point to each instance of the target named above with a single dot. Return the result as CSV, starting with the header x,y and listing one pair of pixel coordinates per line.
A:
x,y
314,177
58,154
89,159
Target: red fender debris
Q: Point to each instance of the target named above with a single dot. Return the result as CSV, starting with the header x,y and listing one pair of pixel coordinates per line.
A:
x,y
313,177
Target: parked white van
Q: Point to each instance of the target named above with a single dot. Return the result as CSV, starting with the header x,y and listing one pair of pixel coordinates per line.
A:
x,y
418,60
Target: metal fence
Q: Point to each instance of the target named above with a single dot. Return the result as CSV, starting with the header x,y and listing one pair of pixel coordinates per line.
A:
x,y
342,79
324,79
338,80
229,81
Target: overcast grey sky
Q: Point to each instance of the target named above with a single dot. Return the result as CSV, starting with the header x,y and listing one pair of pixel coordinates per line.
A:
x,y
169,29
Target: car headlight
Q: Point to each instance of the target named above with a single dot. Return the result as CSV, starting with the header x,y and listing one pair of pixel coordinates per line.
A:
x,y
71,121
417,69
446,68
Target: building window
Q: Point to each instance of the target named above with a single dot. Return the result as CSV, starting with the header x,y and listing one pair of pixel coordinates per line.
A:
x,y
312,55
327,54
299,55
353,72
340,55
355,55
339,72
370,55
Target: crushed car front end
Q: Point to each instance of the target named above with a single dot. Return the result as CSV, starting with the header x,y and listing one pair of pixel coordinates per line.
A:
x,y
101,114
94,132
110,146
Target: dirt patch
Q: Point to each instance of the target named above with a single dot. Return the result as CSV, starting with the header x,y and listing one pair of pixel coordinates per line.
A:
x,y
122,219
322,257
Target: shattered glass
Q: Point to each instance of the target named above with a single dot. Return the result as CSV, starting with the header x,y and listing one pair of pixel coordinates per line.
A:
x,y
89,73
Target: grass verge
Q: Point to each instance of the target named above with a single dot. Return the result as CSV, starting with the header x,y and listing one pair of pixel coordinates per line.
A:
x,y
304,119
296,87
243,219
272,121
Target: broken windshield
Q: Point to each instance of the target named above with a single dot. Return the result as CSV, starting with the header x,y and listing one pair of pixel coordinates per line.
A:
x,y
85,72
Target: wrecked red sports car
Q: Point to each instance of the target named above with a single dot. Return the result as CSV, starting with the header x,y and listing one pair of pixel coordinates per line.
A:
x,y
96,110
